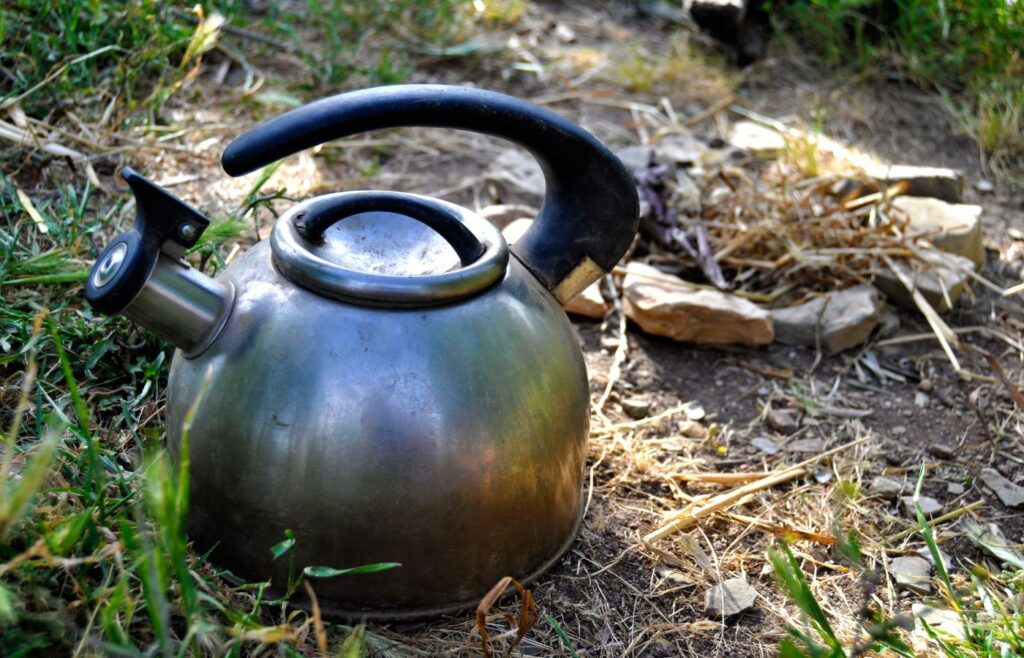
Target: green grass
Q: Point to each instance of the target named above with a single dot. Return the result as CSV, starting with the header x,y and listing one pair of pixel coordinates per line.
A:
x,y
94,559
969,50
989,608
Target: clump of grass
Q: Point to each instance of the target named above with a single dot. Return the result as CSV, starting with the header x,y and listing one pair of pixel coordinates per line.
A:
x,y
969,49
989,610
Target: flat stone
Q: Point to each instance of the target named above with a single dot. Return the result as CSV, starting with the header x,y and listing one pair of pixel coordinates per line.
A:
x,y
516,230
517,177
636,408
912,573
691,429
728,598
951,227
590,303
955,488
886,487
942,450
682,148
938,182
758,140
945,622
665,305
781,421
765,445
926,553
944,271
1011,495
847,318
814,445
929,506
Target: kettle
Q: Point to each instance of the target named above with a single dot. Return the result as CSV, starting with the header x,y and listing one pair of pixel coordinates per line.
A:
x,y
388,379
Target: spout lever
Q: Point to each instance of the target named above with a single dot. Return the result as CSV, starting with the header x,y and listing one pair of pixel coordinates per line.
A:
x,y
163,224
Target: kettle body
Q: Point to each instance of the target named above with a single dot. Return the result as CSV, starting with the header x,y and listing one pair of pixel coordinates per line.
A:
x,y
384,377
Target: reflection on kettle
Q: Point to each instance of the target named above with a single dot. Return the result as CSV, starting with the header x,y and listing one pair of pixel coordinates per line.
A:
x,y
389,380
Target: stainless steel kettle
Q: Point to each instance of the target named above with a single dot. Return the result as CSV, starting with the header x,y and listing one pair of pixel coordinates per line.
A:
x,y
386,382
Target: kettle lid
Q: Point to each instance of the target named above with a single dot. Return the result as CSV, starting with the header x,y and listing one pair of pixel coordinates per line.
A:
x,y
392,249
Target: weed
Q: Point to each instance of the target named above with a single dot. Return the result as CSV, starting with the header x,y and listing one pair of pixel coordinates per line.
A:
x,y
969,50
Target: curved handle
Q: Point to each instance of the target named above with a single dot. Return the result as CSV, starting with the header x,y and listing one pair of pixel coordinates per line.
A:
x,y
590,212
324,212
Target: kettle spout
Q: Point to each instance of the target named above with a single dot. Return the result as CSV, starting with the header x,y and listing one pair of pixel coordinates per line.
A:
x,y
143,276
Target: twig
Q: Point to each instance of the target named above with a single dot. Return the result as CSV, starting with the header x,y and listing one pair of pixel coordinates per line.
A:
x,y
941,519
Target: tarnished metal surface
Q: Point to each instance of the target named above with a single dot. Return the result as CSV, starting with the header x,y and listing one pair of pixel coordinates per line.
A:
x,y
449,439
374,258
181,305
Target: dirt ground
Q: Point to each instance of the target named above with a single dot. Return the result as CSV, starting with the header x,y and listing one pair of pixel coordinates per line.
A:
x,y
610,594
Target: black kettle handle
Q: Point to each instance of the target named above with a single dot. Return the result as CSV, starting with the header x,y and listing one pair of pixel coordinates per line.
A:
x,y
590,212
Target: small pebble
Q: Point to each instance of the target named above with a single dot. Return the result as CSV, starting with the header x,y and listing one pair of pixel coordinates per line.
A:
x,y
691,429
781,421
899,430
765,445
926,385
984,186
955,488
920,399
929,506
730,597
636,408
610,343
887,487
942,450
912,573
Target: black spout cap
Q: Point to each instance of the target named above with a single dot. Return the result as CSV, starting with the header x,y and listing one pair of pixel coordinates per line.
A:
x,y
162,223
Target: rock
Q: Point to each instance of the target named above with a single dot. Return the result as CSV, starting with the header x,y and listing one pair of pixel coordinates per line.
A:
x,y
636,408
946,622
759,141
942,450
590,303
926,385
781,421
929,506
888,324
921,400
913,573
765,445
730,597
926,553
516,230
1012,495
665,305
848,318
637,158
984,186
504,215
885,487
814,445
681,148
944,272
517,176
691,429
951,227
955,488
938,182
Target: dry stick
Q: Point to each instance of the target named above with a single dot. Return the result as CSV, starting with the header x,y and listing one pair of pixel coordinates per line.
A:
x,y
721,478
941,519
637,424
947,339
686,518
